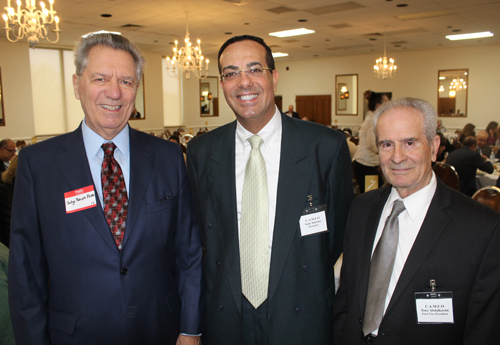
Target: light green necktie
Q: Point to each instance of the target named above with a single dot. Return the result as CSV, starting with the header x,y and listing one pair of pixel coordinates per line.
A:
x,y
254,227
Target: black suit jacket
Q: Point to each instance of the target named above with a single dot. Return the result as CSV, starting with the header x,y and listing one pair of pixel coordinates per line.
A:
x,y
69,283
458,246
466,162
314,161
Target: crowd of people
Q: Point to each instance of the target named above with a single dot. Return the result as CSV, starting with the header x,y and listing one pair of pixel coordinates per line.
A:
x,y
117,237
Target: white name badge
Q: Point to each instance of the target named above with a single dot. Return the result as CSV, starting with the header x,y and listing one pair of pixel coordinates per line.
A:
x,y
80,199
434,307
313,221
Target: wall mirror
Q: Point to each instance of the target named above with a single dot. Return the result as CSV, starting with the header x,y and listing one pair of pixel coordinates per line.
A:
x,y
209,96
139,112
2,113
453,86
346,100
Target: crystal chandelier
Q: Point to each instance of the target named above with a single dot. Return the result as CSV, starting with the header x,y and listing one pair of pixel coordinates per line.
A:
x,y
187,59
384,67
30,22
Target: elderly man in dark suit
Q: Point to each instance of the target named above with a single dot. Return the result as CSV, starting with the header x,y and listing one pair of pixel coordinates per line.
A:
x,y
105,245
272,194
420,259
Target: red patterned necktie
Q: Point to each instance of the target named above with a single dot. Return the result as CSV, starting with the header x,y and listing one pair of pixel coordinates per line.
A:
x,y
114,194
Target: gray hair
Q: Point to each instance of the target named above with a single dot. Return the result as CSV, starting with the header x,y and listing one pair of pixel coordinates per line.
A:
x,y
113,41
425,109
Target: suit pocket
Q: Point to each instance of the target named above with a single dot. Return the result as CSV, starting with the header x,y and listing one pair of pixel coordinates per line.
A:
x,y
160,205
62,321
173,300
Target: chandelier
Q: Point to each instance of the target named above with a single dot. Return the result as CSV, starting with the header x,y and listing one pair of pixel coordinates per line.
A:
x,y
384,67
187,59
30,22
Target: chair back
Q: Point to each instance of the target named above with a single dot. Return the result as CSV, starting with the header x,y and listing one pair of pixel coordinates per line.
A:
x,y
489,196
447,174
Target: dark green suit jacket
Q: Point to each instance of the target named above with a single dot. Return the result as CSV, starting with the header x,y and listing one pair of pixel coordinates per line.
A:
x,y
314,161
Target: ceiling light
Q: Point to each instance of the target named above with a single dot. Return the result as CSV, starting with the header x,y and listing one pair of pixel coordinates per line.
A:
x,y
469,36
277,55
295,32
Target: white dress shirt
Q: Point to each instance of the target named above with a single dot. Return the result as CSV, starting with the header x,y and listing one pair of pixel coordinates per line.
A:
x,y
95,155
271,151
410,222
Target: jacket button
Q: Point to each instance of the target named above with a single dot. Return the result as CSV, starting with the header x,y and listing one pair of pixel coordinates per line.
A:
x,y
305,268
360,321
124,271
217,263
298,310
220,307
208,226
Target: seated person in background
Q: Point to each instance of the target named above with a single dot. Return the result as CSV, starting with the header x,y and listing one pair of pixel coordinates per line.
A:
x,y
482,144
466,161
492,130
467,131
444,148
352,146
292,113
440,127
20,144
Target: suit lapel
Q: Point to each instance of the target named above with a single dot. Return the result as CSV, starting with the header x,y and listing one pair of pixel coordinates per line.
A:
x,y
141,167
74,165
295,170
434,223
221,183
368,239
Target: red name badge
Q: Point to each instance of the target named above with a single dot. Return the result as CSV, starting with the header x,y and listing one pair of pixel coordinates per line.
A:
x,y
80,199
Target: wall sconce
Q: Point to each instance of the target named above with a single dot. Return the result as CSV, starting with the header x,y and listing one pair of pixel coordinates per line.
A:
x,y
202,98
210,96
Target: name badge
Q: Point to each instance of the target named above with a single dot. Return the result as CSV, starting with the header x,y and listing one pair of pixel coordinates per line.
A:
x,y
434,307
80,199
313,220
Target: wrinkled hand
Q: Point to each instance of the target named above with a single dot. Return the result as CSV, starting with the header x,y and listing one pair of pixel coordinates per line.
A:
x,y
188,340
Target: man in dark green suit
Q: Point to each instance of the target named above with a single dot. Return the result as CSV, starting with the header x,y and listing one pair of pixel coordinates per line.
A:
x,y
309,182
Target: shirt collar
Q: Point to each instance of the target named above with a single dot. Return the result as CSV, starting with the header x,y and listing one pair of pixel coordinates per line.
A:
x,y
268,133
418,201
94,141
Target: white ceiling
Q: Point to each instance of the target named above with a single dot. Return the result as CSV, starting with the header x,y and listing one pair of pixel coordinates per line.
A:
x,y
342,27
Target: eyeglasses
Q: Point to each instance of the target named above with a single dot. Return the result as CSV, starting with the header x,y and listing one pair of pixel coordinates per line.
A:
x,y
253,72
11,151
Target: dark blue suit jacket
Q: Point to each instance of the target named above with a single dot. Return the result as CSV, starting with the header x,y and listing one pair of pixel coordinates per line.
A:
x,y
69,284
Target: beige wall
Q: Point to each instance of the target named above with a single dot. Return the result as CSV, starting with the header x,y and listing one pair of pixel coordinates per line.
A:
x,y
417,77
16,87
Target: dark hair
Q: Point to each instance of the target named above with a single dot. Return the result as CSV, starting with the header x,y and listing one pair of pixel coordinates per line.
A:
x,y
468,130
373,99
491,125
469,141
176,138
269,53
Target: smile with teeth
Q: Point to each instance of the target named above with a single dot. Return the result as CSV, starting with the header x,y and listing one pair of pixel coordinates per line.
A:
x,y
111,107
247,97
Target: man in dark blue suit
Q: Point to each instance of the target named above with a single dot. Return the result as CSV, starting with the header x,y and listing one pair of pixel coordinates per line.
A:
x,y
78,275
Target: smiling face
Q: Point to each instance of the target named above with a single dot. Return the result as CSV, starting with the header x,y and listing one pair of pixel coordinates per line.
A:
x,y
405,154
106,90
251,98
